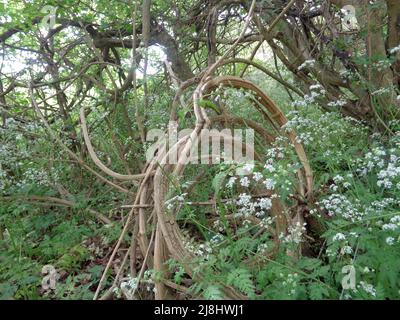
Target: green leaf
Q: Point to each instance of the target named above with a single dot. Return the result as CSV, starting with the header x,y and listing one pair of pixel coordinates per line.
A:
x,y
309,264
210,105
218,181
213,292
242,279
7,291
317,291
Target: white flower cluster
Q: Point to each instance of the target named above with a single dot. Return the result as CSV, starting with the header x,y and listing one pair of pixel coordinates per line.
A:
x,y
262,248
347,74
307,64
317,87
339,205
381,65
231,182
379,206
338,103
130,285
386,164
269,184
170,203
274,153
295,233
234,97
316,91
265,203
394,224
202,250
266,222
15,153
245,182
298,122
34,176
249,167
343,240
390,174
346,250
382,91
340,181
368,288
216,239
248,208
4,180
322,130
390,241
395,50
339,237
291,282
256,176
218,225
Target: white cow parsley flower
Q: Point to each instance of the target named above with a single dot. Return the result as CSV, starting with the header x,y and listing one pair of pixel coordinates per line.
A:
x,y
339,237
306,64
346,250
244,182
369,288
390,241
248,167
394,50
231,182
257,176
244,199
265,203
269,184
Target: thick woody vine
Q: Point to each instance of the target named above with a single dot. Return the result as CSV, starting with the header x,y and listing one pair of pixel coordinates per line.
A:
x,y
148,214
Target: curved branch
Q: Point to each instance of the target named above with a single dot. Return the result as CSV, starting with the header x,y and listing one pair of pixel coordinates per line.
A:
x,y
96,160
265,70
